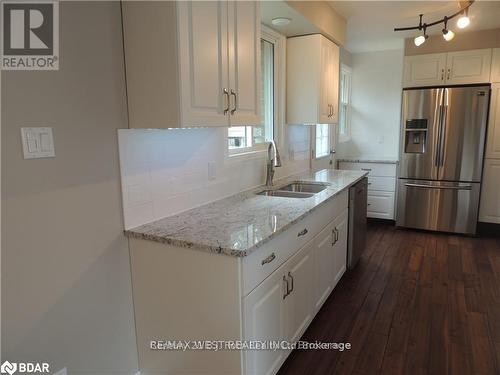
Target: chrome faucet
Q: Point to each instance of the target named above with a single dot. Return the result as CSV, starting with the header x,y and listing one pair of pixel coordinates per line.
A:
x,y
272,161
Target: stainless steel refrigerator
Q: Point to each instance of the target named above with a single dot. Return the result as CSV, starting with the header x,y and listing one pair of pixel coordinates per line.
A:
x,y
441,158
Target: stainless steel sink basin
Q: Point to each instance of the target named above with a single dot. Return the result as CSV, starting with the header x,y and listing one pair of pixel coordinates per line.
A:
x,y
285,194
305,187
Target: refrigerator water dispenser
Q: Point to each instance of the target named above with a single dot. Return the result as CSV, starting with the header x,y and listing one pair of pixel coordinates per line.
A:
x,y
415,136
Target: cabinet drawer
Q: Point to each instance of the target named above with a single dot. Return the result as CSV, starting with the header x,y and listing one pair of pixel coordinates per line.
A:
x,y
381,183
373,169
265,260
381,205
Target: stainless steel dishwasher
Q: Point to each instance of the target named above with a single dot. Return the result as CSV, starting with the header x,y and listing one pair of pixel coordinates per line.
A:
x,y
357,222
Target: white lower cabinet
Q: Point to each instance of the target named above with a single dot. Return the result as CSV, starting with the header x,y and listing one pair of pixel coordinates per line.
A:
x,y
489,210
270,295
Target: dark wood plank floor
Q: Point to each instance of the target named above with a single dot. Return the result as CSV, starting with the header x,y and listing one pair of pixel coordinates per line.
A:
x,y
418,303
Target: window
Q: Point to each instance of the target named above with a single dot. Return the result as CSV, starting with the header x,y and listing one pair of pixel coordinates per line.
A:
x,y
345,103
242,139
322,140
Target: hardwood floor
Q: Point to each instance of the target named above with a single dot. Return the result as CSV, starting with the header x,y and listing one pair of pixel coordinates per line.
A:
x,y
417,303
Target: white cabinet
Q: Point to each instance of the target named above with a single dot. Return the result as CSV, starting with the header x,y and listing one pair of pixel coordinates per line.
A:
x,y
495,65
324,259
340,247
489,210
425,70
312,80
381,187
192,64
265,319
493,136
468,67
453,68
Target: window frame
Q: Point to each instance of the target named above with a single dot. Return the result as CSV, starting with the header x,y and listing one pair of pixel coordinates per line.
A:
x,y
344,137
258,150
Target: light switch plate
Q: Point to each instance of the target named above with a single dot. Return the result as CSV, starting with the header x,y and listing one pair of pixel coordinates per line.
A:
x,y
37,142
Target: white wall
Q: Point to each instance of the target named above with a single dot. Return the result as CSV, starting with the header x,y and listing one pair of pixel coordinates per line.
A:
x,y
376,105
166,171
66,288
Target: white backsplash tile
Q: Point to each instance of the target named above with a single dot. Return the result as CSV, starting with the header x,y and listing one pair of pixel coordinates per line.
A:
x,y
165,172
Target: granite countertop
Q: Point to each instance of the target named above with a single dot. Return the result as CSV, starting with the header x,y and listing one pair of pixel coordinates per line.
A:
x,y
240,224
367,160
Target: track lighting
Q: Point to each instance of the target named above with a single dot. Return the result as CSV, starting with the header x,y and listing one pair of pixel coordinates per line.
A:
x,y
464,20
447,34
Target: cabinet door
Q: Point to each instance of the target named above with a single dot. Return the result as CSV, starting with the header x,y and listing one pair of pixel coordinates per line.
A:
x,y
493,137
299,303
203,62
265,319
244,62
340,247
495,65
324,259
334,82
489,210
325,82
380,205
468,67
424,70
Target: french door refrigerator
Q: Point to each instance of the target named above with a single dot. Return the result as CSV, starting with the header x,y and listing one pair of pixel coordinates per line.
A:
x,y
441,158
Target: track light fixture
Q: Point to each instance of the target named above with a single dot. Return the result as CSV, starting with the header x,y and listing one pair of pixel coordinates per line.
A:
x,y
448,35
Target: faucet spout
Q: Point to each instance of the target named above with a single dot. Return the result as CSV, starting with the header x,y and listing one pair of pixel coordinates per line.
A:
x,y
273,160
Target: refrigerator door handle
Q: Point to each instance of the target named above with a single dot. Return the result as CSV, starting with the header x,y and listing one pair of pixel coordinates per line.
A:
x,y
443,127
439,187
437,158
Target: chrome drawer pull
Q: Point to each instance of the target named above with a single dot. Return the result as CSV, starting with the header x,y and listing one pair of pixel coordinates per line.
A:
x,y
285,284
303,232
291,278
269,259
366,169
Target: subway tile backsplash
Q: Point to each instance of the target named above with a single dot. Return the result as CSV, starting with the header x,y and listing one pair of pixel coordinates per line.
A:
x,y
164,172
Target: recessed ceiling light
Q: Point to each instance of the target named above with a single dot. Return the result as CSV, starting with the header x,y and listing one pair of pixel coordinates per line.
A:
x,y
281,21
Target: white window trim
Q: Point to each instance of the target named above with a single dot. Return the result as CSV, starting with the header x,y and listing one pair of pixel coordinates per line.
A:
x,y
346,137
258,151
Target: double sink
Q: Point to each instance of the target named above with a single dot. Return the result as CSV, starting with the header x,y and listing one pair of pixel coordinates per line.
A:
x,y
296,189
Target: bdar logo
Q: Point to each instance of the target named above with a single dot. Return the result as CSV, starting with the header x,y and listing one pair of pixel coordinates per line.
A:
x,y
8,368
30,35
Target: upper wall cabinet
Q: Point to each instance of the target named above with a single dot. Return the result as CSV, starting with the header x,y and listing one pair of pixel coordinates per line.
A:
x,y
495,65
454,68
312,80
192,64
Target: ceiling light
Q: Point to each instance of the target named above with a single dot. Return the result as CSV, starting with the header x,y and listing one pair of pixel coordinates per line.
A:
x,y
281,21
420,40
447,34
464,20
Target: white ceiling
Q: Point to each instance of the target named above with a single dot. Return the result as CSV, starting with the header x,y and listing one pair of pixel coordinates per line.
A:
x,y
370,24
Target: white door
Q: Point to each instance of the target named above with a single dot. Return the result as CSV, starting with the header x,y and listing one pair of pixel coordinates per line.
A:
x,y
340,247
244,62
334,82
322,146
495,65
493,137
299,302
424,70
489,210
265,319
203,62
324,258
468,67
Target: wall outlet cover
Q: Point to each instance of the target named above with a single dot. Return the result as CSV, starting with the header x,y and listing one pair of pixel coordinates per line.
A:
x,y
37,142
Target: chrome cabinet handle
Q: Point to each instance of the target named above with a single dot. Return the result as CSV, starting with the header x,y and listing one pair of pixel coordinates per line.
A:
x,y
336,235
226,94
235,101
285,284
303,232
269,259
448,76
366,169
333,237
291,279
442,74
439,187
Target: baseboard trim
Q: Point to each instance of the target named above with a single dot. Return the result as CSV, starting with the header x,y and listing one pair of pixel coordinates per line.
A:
x,y
380,221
